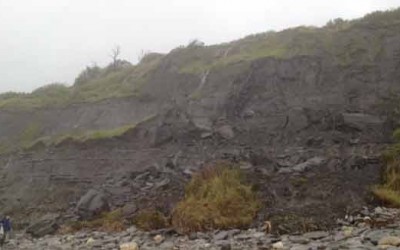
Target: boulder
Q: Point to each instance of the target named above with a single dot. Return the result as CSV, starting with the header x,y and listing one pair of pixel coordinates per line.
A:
x,y
91,204
278,245
202,123
158,239
361,121
226,132
310,163
129,210
47,224
129,246
389,241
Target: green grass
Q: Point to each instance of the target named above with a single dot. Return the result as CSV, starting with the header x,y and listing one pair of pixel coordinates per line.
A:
x,y
216,198
340,41
29,134
389,191
82,137
343,42
105,84
387,195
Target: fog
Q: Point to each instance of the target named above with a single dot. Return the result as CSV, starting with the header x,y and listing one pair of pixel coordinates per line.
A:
x,y
45,41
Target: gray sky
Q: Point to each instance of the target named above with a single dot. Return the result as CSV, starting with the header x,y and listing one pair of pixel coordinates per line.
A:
x,y
44,41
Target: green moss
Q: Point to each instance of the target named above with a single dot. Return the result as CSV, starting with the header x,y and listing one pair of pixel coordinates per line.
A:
x,y
216,198
29,134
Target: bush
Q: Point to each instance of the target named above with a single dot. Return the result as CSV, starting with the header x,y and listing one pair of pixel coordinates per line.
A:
x,y
389,191
216,198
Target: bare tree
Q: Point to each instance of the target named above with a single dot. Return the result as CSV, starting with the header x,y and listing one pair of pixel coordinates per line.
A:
x,y
142,54
115,54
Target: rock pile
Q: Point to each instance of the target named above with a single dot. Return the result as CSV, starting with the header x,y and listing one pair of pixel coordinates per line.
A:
x,y
377,229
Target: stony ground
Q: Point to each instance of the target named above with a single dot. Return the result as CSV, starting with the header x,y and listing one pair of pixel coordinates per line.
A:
x,y
375,229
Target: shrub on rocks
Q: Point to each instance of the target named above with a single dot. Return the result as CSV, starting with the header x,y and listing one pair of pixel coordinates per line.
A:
x,y
150,220
389,191
108,222
216,198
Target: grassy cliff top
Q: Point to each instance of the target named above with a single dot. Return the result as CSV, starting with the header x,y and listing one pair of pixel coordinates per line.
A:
x,y
342,42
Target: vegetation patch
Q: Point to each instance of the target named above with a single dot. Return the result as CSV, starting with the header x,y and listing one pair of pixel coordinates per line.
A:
x,y
29,134
150,220
387,195
389,191
108,222
93,84
216,198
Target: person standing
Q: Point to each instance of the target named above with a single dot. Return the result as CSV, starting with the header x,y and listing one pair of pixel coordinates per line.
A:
x,y
6,226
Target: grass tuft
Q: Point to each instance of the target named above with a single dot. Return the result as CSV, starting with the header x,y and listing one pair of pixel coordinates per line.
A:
x,y
389,191
216,198
150,220
387,195
107,222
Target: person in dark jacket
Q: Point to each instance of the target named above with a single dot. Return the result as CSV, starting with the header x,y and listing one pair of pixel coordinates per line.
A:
x,y
7,227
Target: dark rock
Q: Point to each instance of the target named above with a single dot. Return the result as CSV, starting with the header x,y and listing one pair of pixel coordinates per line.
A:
x,y
316,235
310,163
361,121
222,235
91,204
224,244
129,210
192,236
47,224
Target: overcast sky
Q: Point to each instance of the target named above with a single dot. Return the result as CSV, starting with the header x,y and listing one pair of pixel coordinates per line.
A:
x,y
44,41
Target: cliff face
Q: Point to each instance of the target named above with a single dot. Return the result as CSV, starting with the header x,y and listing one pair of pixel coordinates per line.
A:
x,y
305,126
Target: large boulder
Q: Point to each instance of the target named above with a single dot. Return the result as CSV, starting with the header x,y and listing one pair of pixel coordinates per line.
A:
x,y
47,224
361,121
93,203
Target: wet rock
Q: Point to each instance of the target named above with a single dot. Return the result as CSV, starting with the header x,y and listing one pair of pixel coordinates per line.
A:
x,y
299,239
376,235
205,135
222,235
47,224
158,239
361,121
223,244
226,132
389,241
316,235
129,210
202,123
310,163
129,246
91,204
278,245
